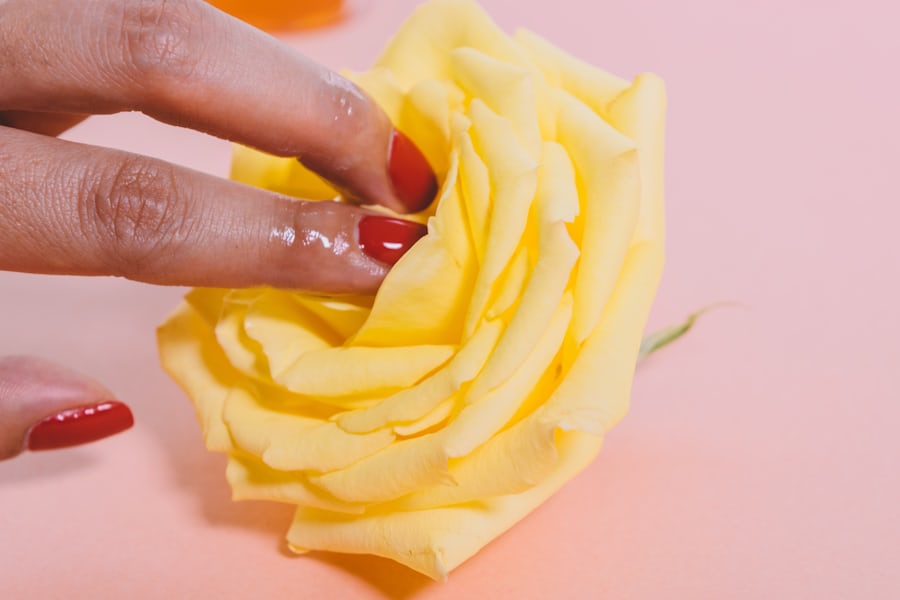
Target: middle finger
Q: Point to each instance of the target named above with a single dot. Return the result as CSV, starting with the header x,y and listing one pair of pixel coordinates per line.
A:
x,y
186,63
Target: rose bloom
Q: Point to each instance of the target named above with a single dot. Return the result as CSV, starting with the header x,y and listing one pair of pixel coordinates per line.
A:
x,y
421,423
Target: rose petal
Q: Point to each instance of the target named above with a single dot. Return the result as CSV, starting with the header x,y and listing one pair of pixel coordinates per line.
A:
x,y
282,175
189,353
243,352
250,479
432,541
594,394
352,370
639,112
513,183
292,442
485,414
594,87
344,315
610,204
284,330
437,416
540,300
475,188
399,469
415,402
421,51
506,89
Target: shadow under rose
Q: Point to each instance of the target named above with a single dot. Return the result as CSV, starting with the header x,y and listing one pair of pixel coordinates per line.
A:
x,y
195,471
390,579
201,474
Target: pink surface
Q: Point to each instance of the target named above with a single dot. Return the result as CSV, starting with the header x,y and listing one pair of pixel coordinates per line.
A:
x,y
761,458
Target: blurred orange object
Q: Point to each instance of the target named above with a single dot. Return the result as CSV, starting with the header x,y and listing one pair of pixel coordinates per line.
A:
x,y
284,14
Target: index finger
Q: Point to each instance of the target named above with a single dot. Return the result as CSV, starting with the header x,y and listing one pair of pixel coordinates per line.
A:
x,y
186,63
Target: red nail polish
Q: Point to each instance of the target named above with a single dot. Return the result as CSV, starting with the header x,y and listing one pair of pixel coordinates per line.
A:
x,y
80,425
414,181
386,239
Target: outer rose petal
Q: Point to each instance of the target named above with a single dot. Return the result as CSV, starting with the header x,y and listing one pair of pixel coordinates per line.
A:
x,y
421,424
435,541
189,354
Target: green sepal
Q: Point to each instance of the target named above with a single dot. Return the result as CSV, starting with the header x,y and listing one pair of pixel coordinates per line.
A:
x,y
662,338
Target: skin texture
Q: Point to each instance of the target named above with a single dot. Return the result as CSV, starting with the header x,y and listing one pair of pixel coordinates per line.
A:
x,y
67,208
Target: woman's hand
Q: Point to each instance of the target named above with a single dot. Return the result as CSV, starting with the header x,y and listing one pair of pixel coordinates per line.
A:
x,y
68,208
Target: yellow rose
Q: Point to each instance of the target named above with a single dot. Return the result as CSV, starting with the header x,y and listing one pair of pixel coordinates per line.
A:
x,y
422,423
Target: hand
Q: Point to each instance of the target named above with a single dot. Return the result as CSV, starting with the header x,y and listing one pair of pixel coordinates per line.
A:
x,y
67,208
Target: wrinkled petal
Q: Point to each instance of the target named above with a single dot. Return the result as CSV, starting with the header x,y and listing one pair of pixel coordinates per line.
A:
x,y
513,183
252,480
293,442
401,468
433,541
594,87
356,369
284,330
415,402
595,391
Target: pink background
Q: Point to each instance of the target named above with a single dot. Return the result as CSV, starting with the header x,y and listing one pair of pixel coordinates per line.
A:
x,y
761,458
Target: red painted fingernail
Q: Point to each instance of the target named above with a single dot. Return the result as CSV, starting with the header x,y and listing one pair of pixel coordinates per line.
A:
x,y
80,425
386,239
414,181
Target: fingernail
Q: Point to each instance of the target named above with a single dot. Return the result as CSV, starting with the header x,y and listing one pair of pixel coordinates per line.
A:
x,y
80,426
414,181
386,239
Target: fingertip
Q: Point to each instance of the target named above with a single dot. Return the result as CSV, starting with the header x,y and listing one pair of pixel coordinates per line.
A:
x,y
412,177
80,425
362,154
45,406
386,239
400,179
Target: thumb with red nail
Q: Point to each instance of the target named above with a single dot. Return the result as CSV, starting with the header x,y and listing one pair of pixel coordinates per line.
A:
x,y
68,208
44,406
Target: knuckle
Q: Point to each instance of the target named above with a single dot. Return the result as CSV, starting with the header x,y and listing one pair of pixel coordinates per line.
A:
x,y
157,37
136,208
